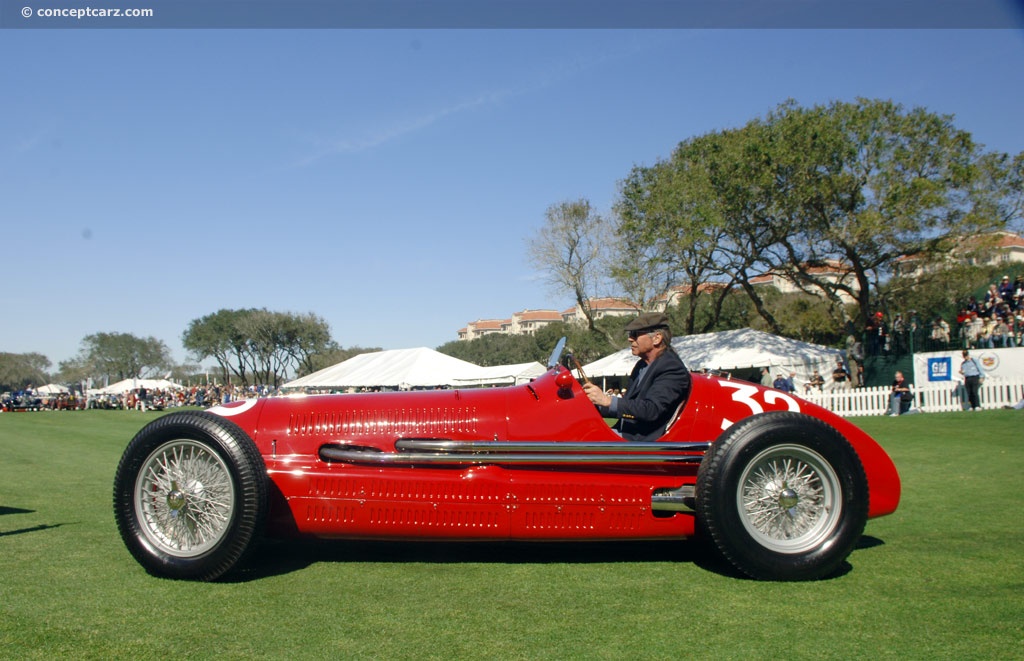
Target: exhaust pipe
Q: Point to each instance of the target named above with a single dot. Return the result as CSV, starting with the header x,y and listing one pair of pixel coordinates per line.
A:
x,y
674,500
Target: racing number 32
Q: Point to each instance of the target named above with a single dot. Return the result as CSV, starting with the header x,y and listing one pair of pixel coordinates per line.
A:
x,y
745,393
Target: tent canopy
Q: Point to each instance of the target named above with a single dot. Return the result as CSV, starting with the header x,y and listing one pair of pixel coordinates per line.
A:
x,y
504,375
132,384
414,368
395,368
51,389
731,350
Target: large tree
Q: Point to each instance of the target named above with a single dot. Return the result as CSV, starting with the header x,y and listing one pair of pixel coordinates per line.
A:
x,y
865,183
668,235
19,370
258,345
120,356
218,336
571,251
856,185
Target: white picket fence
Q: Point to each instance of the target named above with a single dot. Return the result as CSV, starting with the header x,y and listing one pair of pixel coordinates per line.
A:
x,y
994,394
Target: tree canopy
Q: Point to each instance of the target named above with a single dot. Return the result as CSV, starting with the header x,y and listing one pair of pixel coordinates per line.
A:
x,y
258,345
855,185
19,370
571,250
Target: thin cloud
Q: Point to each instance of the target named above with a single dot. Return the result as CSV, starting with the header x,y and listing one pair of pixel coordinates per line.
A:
x,y
390,133
29,142
551,76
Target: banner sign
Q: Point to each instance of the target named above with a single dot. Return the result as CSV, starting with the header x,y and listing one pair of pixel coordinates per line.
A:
x,y
944,366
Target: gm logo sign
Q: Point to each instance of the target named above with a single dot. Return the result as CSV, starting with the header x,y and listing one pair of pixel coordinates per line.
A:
x,y
940,369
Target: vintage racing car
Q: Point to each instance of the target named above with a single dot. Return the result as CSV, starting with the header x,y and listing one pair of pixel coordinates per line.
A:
x,y
782,487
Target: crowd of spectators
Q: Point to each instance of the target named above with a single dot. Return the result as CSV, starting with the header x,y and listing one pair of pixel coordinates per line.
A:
x,y
203,396
138,399
994,322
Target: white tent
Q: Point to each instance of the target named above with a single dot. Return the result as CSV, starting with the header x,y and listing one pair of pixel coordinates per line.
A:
x,y
51,389
504,375
732,350
395,368
132,384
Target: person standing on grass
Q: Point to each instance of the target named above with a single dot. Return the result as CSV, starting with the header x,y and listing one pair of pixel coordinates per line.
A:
x,y
974,376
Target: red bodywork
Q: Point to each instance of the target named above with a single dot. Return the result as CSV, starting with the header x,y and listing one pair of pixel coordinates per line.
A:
x,y
492,500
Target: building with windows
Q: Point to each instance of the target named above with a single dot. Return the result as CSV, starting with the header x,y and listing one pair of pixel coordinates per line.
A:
x,y
985,249
601,308
677,292
829,271
528,322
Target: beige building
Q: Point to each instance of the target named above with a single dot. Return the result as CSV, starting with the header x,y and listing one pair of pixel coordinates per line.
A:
x,y
831,271
527,322
601,308
672,296
987,249
481,327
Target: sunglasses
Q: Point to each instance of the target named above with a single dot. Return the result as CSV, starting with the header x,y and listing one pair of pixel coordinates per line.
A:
x,y
633,334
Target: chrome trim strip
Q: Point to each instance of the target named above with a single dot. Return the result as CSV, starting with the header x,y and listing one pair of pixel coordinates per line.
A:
x,y
435,451
629,447
363,457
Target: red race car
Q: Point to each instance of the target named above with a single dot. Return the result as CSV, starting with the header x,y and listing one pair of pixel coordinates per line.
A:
x,y
782,487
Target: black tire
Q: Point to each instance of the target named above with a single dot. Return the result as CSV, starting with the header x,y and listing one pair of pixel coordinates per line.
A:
x,y
783,496
190,496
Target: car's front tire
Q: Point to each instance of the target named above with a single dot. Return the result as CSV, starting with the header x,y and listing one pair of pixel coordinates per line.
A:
x,y
190,496
784,497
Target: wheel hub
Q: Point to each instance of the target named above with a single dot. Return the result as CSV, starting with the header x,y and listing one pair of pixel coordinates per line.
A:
x,y
788,498
176,500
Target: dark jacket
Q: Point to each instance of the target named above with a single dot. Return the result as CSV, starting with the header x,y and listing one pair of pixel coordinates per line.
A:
x,y
646,409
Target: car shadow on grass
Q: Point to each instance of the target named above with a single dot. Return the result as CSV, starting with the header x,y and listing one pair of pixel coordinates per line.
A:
x,y
279,557
22,531
868,542
274,558
14,510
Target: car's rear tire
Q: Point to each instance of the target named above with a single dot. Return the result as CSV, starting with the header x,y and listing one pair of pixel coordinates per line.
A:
x,y
784,497
190,496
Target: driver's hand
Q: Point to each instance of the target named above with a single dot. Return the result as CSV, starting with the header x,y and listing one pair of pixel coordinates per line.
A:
x,y
596,395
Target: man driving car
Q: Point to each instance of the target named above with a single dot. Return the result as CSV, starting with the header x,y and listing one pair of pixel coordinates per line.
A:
x,y
657,385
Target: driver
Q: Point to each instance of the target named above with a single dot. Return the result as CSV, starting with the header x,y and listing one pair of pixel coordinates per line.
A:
x,y
657,385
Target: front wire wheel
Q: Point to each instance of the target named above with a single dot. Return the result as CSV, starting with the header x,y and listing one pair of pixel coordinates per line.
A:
x,y
190,496
184,498
783,496
788,496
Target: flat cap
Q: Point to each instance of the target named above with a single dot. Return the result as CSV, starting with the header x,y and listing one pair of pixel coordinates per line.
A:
x,y
648,320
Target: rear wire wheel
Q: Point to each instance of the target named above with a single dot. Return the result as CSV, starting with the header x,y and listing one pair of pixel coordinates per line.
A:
x,y
783,496
190,496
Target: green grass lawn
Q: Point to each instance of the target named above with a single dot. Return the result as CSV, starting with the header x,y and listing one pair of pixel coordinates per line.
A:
x,y
941,578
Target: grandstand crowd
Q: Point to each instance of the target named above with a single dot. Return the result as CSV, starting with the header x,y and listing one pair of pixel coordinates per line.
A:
x,y
994,322
138,399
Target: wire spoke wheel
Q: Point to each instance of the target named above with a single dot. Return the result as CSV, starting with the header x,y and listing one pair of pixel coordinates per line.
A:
x,y
190,496
184,498
783,496
787,495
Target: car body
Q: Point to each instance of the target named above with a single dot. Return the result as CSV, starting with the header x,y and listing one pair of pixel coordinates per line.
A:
x,y
782,487
21,400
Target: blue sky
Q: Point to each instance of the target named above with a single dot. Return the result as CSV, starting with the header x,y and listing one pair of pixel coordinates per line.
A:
x,y
386,180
